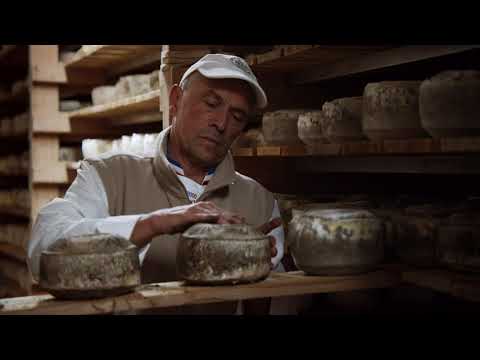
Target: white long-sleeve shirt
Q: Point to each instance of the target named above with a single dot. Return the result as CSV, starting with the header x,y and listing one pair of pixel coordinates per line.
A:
x,y
84,210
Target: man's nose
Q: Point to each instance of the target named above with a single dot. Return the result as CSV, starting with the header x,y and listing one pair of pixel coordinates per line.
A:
x,y
220,119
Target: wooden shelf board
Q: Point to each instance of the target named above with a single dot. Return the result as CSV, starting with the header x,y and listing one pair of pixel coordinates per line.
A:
x,y
114,58
177,293
358,63
423,146
286,58
141,104
465,286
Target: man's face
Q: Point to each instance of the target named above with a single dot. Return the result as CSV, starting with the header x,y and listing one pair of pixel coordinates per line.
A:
x,y
209,115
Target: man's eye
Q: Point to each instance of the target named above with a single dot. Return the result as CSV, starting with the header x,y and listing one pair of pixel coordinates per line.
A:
x,y
211,104
240,118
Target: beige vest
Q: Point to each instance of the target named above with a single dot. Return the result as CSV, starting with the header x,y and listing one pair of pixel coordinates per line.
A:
x,y
138,185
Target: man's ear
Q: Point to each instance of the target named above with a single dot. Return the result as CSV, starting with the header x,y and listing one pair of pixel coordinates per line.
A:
x,y
174,98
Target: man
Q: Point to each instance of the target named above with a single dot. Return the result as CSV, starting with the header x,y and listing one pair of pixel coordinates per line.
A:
x,y
190,179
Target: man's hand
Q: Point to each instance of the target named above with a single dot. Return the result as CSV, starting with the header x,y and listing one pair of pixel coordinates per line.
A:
x,y
178,219
266,228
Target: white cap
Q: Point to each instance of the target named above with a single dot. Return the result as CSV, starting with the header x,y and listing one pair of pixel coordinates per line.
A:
x,y
221,66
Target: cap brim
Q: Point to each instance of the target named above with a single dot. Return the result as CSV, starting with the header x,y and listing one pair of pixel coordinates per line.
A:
x,y
216,73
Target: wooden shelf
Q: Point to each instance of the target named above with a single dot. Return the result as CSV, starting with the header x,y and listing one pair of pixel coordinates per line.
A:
x,y
426,146
116,59
143,104
465,286
176,294
293,58
358,63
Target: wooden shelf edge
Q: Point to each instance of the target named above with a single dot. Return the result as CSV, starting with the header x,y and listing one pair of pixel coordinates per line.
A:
x,y
461,285
176,293
377,60
422,146
121,107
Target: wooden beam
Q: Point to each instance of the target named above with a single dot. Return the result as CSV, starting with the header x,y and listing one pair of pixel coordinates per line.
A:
x,y
149,102
150,58
45,65
45,165
377,60
45,114
177,294
390,164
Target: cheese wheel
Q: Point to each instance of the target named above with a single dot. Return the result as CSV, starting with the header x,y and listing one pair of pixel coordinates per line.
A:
x,y
336,241
70,105
132,85
391,110
90,266
310,129
104,95
458,242
250,138
449,104
223,254
280,127
342,120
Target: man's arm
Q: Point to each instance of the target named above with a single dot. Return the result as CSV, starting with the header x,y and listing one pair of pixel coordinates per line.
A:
x,y
83,210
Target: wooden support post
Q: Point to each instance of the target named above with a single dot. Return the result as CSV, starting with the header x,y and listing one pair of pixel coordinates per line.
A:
x,y
44,110
45,166
45,65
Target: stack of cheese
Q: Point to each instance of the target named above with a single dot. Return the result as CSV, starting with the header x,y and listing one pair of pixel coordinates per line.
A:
x,y
126,87
138,144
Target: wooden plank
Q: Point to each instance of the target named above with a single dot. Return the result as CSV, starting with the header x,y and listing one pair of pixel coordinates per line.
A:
x,y
109,56
46,167
148,59
177,294
377,60
411,146
419,164
78,77
140,118
462,145
460,285
324,150
244,152
45,114
361,148
293,150
45,65
149,102
269,151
